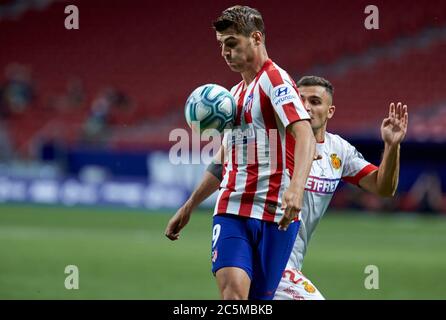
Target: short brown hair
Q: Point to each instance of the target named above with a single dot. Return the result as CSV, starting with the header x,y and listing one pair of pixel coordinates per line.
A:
x,y
308,81
243,19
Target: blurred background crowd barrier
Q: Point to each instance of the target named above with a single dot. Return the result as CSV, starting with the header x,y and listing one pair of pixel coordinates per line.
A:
x,y
85,115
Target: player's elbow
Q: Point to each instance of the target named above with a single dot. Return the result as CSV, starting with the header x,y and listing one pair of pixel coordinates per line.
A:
x,y
382,187
387,192
391,189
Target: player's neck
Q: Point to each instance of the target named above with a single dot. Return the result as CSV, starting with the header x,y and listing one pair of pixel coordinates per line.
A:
x,y
319,134
251,72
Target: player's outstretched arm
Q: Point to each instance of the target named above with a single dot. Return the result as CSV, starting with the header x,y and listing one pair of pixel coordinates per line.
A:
x,y
208,185
384,181
304,154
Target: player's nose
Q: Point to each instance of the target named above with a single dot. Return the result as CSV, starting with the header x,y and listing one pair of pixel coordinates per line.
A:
x,y
225,53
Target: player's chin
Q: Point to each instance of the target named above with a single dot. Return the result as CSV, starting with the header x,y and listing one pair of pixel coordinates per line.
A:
x,y
233,66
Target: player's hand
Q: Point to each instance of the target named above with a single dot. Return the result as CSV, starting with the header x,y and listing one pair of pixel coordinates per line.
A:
x,y
394,127
292,204
178,222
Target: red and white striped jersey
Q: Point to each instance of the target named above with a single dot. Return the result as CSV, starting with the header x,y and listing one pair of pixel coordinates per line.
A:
x,y
254,171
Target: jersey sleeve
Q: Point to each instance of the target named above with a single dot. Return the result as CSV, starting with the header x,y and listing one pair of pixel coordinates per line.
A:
x,y
284,98
355,166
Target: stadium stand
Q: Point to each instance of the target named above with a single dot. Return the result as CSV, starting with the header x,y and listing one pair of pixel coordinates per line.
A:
x,y
157,90
114,91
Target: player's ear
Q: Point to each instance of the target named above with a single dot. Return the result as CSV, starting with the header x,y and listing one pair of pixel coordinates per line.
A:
x,y
331,111
257,38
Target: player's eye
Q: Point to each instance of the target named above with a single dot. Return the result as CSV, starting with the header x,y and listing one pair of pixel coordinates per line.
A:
x,y
231,44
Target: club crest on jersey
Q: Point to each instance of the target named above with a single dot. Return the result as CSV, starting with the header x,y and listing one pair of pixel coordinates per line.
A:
x,y
335,161
248,104
308,287
214,255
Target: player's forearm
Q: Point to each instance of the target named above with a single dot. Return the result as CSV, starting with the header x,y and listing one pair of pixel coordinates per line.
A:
x,y
304,150
388,171
208,185
210,182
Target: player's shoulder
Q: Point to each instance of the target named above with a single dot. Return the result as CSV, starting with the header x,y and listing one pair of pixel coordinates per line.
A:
x,y
337,143
333,137
274,75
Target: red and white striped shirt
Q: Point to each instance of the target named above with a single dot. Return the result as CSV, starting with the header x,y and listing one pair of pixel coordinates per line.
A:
x,y
254,171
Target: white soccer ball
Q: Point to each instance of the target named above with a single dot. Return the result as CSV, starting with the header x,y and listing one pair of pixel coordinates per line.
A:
x,y
210,106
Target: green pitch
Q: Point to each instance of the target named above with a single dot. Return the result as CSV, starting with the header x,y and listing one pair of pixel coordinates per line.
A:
x,y
124,255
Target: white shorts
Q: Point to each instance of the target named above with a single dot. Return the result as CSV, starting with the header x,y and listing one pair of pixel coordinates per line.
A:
x,y
295,286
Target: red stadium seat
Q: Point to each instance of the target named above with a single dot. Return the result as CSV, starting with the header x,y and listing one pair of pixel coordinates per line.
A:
x,y
158,56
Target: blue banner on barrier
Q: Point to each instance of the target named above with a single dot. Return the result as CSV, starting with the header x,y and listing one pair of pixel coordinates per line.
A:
x,y
74,192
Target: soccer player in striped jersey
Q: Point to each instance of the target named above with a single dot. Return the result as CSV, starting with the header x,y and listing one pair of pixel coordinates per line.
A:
x,y
339,160
253,229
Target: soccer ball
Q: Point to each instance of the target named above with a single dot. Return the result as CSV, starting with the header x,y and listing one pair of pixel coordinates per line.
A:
x,y
210,106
